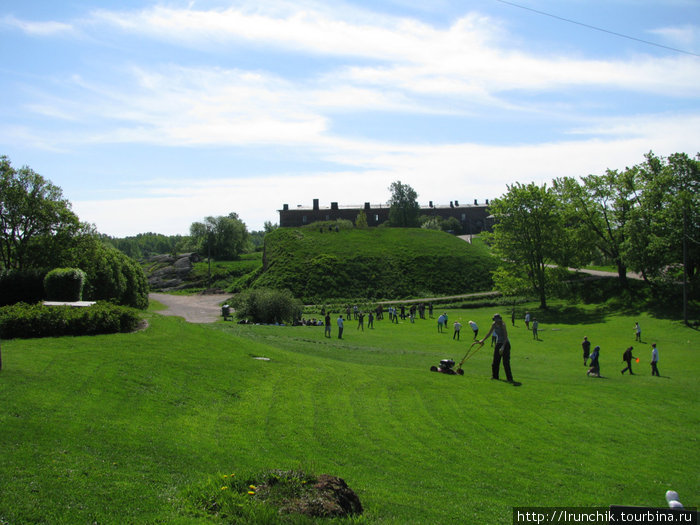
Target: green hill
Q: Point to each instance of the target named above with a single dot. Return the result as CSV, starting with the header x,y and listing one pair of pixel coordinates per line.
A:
x,y
372,263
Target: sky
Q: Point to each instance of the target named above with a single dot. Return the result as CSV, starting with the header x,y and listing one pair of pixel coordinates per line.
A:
x,y
153,115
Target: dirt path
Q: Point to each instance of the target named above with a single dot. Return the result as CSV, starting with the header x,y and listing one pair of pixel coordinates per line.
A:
x,y
194,308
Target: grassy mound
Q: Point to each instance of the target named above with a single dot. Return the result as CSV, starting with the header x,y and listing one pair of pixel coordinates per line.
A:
x,y
372,263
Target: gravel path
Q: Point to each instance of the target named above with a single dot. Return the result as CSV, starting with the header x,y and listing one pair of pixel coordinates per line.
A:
x,y
194,308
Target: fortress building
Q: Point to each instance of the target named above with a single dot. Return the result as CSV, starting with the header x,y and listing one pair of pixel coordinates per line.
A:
x,y
472,217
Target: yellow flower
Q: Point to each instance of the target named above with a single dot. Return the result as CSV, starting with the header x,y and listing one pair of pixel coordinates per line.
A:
x,y
253,487
251,493
224,488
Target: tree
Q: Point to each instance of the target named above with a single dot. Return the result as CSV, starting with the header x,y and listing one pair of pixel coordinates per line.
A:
x,y
527,235
361,220
35,219
220,237
598,211
404,207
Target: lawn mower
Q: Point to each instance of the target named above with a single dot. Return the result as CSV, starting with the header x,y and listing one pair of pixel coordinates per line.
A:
x,y
447,365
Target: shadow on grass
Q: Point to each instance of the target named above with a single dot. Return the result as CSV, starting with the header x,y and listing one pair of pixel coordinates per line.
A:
x,y
571,314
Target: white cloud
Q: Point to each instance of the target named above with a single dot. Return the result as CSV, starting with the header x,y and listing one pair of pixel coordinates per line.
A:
x,y
49,28
440,173
687,35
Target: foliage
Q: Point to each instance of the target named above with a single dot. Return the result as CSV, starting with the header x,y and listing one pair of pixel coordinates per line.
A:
x,y
361,220
528,235
373,263
22,320
263,305
111,275
35,219
404,207
270,497
220,237
22,286
451,224
147,244
666,213
430,223
65,284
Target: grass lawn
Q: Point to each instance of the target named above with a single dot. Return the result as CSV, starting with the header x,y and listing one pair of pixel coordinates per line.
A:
x,y
125,428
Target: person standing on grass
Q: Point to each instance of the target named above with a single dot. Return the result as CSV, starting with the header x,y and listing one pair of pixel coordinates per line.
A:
x,y
535,326
458,327
370,320
654,360
527,320
475,328
586,345
441,323
501,352
594,370
340,326
627,358
361,321
512,317
637,332
327,320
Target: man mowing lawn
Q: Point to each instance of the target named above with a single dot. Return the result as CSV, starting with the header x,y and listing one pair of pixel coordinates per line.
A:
x,y
502,350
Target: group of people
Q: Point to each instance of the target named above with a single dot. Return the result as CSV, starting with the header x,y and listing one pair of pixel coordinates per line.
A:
x,y
627,357
499,339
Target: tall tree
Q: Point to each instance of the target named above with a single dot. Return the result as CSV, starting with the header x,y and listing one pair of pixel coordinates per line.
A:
x,y
404,207
527,235
34,216
598,210
223,237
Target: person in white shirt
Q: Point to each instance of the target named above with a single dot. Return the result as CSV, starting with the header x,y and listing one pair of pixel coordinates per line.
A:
x,y
474,327
458,327
654,360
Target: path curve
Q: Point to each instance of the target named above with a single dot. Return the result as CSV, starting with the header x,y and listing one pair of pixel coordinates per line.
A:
x,y
194,308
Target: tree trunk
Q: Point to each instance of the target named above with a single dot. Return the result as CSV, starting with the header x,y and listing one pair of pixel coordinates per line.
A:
x,y
622,275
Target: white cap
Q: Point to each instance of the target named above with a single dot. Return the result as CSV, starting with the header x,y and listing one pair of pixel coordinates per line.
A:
x,y
675,504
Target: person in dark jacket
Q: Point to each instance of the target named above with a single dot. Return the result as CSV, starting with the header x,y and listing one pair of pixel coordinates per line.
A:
x,y
627,358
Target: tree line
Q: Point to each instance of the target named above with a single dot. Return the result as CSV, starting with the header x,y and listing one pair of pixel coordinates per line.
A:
x,y
644,219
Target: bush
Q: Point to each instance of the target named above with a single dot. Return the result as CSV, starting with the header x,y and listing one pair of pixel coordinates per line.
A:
x,y
111,275
21,286
26,321
264,305
64,284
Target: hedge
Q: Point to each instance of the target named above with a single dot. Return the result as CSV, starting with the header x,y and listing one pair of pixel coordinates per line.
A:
x,y
36,320
65,284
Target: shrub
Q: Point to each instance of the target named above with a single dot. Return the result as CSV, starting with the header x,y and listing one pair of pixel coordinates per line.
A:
x,y
21,286
111,275
26,321
64,284
264,305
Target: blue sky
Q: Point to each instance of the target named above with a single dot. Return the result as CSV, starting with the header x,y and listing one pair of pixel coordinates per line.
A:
x,y
153,115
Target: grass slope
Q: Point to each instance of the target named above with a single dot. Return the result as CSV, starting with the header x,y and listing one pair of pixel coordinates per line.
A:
x,y
373,263
122,428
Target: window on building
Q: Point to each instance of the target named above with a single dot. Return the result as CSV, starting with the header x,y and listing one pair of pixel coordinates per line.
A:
x,y
304,219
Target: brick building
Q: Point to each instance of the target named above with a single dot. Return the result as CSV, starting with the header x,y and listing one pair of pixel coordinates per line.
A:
x,y
472,217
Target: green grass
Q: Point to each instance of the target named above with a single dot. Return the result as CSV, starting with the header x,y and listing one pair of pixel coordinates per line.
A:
x,y
373,263
223,273
126,428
